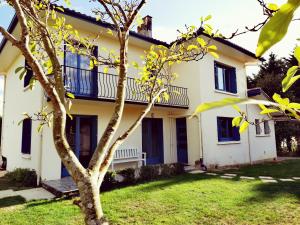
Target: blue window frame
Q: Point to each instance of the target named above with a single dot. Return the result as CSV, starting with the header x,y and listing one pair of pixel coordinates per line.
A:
x,y
226,132
26,136
225,78
28,76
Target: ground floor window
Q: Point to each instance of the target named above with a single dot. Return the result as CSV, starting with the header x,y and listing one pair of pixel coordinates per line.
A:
x,y
26,136
226,132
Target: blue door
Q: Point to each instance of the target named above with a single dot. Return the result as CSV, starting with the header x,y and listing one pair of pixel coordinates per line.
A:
x,y
82,136
152,140
182,147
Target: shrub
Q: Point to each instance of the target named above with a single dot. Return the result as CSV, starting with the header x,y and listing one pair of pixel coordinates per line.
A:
x,y
25,177
178,168
149,173
167,170
128,175
109,181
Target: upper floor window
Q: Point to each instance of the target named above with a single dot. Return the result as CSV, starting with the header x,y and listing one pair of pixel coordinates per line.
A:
x,y
266,127
26,136
225,78
226,132
28,75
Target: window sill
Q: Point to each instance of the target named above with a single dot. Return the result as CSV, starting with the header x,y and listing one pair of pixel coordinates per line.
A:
x,y
26,88
229,143
26,156
226,93
263,135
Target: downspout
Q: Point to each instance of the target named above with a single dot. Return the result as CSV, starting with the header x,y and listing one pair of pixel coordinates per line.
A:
x,y
2,125
201,142
249,140
39,172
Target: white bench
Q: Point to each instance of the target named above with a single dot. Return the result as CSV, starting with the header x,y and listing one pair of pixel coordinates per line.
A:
x,y
128,155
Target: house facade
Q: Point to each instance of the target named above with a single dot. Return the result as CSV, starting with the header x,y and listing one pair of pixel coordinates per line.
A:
x,y
167,135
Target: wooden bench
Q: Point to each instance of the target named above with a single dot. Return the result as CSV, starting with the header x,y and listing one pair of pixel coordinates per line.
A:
x,y
128,155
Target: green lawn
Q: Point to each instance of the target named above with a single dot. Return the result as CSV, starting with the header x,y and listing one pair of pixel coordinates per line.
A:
x,y
186,199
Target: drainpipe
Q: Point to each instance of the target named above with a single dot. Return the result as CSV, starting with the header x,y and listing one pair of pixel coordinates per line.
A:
x,y
201,140
40,152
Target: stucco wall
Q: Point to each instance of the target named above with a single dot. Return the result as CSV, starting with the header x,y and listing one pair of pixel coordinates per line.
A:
x,y
262,147
17,101
103,111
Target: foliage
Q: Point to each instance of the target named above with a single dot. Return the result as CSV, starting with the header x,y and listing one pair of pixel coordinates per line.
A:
x,y
109,181
25,177
128,175
149,172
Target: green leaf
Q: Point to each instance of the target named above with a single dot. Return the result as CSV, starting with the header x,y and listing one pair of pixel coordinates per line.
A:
x,y
217,104
273,6
277,27
105,70
268,111
237,121
201,42
70,95
290,74
19,69
237,108
244,126
294,105
192,47
40,127
22,75
297,53
110,32
291,82
207,18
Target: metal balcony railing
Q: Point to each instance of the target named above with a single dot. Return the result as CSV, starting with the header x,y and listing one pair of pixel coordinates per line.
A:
x,y
84,83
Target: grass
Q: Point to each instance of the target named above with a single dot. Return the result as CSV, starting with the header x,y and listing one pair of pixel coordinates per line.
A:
x,y
186,199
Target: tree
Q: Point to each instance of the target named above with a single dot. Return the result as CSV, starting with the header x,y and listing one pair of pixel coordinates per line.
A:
x,y
269,76
43,35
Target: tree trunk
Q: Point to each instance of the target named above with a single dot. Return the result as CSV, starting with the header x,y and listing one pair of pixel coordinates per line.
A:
x,y
90,201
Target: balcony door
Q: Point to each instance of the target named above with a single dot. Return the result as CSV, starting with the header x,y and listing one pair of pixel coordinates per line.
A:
x,y
82,136
152,140
79,78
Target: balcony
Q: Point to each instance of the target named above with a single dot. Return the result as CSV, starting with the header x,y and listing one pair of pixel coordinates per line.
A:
x,y
90,84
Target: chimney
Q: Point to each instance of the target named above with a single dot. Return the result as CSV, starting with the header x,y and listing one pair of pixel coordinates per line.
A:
x,y
146,27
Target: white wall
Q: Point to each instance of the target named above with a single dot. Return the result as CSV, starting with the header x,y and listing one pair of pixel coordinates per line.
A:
x,y
262,147
51,164
17,101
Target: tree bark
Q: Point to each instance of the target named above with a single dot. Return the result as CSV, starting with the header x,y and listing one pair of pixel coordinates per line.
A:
x,y
90,201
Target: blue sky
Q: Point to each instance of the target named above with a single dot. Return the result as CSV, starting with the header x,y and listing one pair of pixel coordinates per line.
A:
x,y
170,15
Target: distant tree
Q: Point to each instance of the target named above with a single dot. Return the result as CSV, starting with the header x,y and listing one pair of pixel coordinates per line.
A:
x,y
269,76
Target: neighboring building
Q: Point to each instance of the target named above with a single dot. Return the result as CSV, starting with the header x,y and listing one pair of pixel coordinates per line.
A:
x,y
166,135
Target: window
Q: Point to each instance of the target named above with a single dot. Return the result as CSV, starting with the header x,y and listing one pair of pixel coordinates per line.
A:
x,y
267,127
225,78
259,131
257,127
226,132
28,76
26,136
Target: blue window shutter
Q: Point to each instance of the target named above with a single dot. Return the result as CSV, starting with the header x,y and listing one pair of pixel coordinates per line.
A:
x,y
28,76
216,75
233,80
236,134
26,136
219,128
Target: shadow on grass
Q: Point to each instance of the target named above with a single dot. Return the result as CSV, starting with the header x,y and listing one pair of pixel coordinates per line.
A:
x,y
177,180
11,201
270,191
45,202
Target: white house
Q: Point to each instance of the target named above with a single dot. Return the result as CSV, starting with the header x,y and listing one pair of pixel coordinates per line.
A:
x,y
166,135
